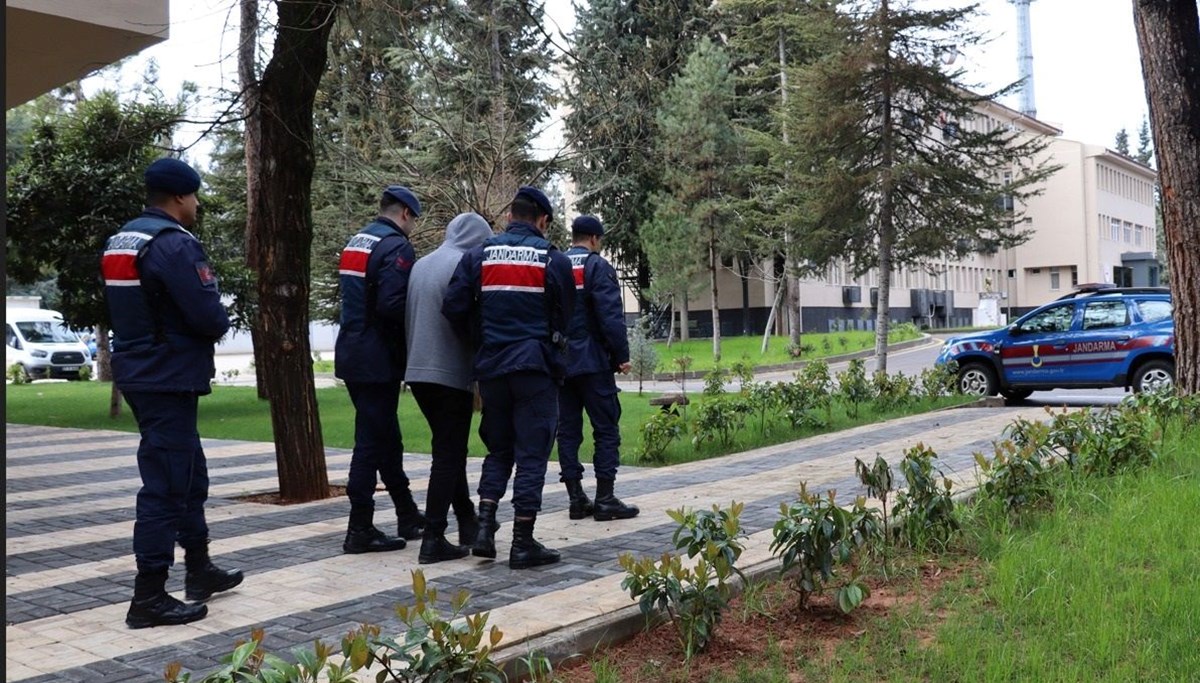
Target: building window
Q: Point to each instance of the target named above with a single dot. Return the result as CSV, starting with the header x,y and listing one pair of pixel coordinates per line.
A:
x,y
1139,235
1054,284
1128,234
1074,277
1114,229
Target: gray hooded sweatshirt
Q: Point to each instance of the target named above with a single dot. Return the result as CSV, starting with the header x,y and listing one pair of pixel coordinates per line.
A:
x,y
435,354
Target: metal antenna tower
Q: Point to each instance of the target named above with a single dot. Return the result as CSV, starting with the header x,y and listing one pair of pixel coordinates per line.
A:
x,y
1025,57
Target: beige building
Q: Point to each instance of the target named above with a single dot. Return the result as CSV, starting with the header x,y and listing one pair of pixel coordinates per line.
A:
x,y
52,42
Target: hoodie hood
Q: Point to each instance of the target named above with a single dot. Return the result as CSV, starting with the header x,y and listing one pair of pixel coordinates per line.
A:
x,y
467,231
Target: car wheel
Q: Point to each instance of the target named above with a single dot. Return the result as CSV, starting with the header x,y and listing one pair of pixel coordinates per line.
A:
x,y
1156,375
1015,395
976,379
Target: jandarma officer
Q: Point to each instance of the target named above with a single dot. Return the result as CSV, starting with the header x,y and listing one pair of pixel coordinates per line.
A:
x,y
598,348
166,316
513,297
369,356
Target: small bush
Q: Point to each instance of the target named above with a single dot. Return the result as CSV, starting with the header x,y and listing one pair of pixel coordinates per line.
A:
x,y
657,434
719,418
853,387
16,374
926,505
714,381
85,372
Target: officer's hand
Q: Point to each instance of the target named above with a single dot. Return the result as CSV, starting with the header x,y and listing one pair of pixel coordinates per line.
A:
x,y
625,368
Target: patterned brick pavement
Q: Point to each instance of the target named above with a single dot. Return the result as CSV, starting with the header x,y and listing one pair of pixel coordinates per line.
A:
x,y
69,570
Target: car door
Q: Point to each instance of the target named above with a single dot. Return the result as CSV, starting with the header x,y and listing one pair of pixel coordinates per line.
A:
x,y
1098,351
1036,351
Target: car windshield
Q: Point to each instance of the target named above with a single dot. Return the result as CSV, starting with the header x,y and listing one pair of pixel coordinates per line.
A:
x,y
46,332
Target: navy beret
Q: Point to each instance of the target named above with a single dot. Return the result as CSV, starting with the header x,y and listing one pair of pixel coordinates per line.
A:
x,y
587,225
537,197
405,196
173,176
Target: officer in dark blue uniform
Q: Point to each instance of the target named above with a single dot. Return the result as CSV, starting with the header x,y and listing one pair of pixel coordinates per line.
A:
x,y
598,348
370,357
166,315
512,297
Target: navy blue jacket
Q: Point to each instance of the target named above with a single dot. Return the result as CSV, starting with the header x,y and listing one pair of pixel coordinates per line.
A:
x,y
512,299
163,305
374,270
598,342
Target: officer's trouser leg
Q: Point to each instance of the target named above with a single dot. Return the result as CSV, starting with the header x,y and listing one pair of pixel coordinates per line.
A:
x,y
570,430
498,434
599,392
170,504
377,442
535,409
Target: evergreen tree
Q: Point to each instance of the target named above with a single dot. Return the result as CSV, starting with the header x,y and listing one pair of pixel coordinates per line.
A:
x,y
697,144
1145,148
1121,142
893,171
624,54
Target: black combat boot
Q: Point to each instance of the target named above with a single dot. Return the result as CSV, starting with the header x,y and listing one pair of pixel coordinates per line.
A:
x,y
468,528
608,506
409,520
363,537
203,577
435,547
153,606
526,552
485,540
581,505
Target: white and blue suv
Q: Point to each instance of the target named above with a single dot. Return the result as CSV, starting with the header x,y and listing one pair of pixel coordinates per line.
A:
x,y
1097,336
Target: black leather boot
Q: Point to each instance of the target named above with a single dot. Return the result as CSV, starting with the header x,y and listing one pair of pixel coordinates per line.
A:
x,y
153,606
608,506
203,577
409,520
526,552
485,540
468,529
581,505
363,537
435,547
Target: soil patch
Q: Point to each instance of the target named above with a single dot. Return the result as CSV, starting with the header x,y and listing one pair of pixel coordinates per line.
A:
x,y
768,617
273,497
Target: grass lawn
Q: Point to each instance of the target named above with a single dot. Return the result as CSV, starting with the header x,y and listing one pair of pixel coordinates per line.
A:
x,y
1103,587
236,413
748,349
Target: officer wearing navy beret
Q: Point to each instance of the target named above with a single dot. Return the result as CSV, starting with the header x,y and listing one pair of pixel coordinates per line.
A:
x,y
166,315
512,299
598,348
370,357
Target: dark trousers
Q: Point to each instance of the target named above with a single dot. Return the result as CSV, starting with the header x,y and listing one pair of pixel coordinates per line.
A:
x,y
597,394
520,416
378,445
170,504
448,411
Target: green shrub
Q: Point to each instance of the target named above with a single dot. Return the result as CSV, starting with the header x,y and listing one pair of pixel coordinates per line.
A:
x,y
694,598
719,418
657,434
643,357
16,374
853,387
814,536
925,505
891,391
714,381
1017,476
938,381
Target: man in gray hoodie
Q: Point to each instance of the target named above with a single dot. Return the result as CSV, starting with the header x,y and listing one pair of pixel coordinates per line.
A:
x,y
439,375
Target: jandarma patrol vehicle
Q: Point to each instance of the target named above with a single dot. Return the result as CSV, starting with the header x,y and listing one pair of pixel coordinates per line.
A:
x,y
1098,336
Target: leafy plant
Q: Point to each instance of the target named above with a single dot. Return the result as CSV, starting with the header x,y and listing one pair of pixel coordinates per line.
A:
x,y
694,598
1117,439
891,391
814,379
657,434
643,357
682,363
714,381
880,483
762,399
719,418
743,370
937,381
853,387
16,374
813,536
1017,475
85,372
926,504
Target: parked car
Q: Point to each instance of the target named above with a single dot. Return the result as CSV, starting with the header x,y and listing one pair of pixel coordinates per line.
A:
x,y
41,345
1098,336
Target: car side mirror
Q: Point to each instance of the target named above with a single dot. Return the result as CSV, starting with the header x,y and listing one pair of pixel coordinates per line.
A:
x,y
1015,330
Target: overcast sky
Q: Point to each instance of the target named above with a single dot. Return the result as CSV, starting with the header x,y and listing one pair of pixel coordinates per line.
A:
x,y
1087,74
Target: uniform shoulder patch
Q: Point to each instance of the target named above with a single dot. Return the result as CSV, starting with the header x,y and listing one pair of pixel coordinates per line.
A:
x,y
206,274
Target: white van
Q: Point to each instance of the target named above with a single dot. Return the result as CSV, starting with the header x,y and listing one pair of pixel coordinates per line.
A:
x,y
37,340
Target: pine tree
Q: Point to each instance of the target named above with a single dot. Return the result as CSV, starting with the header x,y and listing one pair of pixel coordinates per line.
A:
x,y
1145,149
697,143
623,57
892,173
1121,142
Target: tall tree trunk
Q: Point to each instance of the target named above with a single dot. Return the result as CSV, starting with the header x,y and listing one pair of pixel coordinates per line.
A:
x,y
744,266
792,284
252,145
1169,39
103,354
714,264
683,318
887,226
281,213
771,316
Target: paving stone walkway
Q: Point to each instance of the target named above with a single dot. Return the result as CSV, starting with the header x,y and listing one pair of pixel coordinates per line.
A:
x,y
69,567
